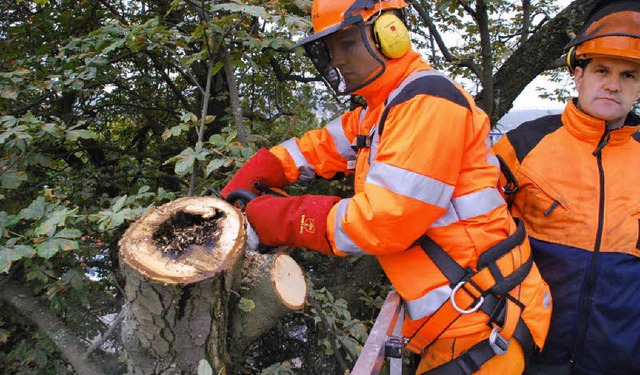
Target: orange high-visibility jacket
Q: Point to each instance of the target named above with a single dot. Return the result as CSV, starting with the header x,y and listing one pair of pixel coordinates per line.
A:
x,y
428,169
579,197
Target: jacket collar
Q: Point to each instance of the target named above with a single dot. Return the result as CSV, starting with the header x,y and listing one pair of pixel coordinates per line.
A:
x,y
396,71
591,129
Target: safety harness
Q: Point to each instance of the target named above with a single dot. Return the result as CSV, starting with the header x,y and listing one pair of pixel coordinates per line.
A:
x,y
485,290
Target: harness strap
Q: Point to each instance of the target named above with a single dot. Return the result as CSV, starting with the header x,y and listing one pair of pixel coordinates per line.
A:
x,y
511,186
472,359
485,290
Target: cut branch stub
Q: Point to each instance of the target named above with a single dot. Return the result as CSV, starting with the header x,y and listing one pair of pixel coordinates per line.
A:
x,y
184,241
272,285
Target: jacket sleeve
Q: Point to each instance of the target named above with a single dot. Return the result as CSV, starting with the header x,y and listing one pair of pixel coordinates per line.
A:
x,y
322,152
416,170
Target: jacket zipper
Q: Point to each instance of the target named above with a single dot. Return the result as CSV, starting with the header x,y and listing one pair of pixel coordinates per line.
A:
x,y
591,275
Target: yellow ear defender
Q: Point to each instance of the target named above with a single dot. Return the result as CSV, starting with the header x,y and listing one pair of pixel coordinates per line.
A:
x,y
571,60
391,36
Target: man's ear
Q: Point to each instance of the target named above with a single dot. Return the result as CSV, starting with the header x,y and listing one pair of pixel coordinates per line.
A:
x,y
578,74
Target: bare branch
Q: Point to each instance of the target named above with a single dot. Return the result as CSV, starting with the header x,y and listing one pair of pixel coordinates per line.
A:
x,y
61,335
433,30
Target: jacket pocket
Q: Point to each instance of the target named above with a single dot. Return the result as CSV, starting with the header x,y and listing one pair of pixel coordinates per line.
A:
x,y
540,199
635,214
551,216
638,243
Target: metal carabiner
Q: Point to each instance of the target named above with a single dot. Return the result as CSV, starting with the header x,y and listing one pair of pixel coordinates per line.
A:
x,y
498,343
473,308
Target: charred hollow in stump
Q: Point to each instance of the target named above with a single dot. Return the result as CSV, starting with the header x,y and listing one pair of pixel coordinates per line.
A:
x,y
185,241
175,236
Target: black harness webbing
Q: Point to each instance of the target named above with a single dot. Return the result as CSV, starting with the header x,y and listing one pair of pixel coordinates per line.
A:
x,y
494,300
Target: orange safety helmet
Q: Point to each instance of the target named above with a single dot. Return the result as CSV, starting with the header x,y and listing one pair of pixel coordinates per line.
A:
x,y
612,30
330,16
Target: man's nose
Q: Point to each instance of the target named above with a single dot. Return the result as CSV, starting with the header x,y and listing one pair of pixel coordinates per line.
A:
x,y
337,58
613,83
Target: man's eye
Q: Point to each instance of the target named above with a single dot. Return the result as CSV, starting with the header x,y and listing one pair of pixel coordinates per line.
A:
x,y
629,75
347,44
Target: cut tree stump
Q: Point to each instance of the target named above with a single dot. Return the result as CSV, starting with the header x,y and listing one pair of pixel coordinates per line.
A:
x,y
191,284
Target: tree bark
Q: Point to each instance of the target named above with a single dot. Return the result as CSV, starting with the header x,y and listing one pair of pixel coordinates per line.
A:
x,y
189,277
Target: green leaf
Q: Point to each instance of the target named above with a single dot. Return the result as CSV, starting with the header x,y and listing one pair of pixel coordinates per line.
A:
x,y
8,255
214,165
12,179
246,305
113,46
217,140
74,135
9,94
68,233
204,368
4,335
216,68
247,152
185,162
119,203
35,210
189,117
48,248
252,10
175,131
53,220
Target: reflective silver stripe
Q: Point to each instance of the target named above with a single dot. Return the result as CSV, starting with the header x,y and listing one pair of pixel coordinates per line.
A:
x,y
362,113
343,145
307,171
375,142
491,158
427,304
410,184
343,241
471,205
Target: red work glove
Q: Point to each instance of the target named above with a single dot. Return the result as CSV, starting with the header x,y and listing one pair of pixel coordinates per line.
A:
x,y
262,167
294,221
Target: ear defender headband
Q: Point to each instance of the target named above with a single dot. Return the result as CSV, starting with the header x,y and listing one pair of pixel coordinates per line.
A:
x,y
391,36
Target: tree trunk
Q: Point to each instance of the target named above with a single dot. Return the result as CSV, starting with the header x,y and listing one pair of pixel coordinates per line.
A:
x,y
186,267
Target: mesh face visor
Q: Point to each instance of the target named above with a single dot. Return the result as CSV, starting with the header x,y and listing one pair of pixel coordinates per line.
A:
x,y
320,55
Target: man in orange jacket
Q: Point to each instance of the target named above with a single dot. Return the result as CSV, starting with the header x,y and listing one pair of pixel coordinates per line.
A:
x,y
577,177
426,202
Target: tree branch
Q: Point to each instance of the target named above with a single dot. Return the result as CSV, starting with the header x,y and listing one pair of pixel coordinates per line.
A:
x,y
112,328
433,30
39,313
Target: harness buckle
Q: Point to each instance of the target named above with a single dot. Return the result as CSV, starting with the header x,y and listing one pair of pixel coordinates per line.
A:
x,y
473,308
361,141
498,343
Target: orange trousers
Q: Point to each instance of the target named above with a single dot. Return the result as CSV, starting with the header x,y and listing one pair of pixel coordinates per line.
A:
x,y
445,350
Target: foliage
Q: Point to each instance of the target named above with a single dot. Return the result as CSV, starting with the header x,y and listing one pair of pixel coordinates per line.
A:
x,y
111,108
349,333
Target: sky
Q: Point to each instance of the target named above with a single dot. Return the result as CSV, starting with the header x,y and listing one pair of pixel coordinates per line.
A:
x,y
529,98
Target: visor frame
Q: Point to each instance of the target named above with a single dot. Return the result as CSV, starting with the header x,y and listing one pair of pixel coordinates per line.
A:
x,y
331,76
326,32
